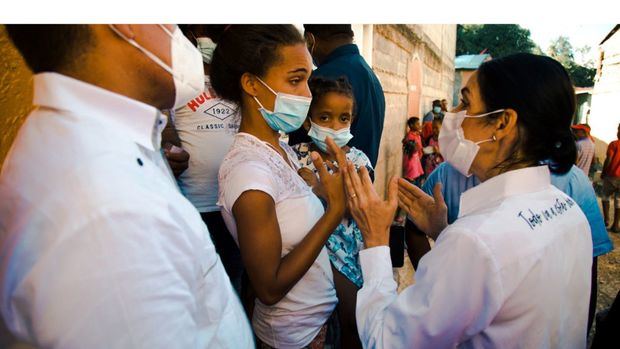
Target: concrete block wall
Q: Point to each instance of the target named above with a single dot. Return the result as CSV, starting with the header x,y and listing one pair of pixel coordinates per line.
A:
x,y
394,46
604,113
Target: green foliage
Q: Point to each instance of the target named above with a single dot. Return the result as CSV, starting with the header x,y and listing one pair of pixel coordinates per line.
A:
x,y
561,50
505,39
582,76
497,39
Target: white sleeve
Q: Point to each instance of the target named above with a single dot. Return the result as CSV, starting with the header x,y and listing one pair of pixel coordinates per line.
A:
x,y
456,295
124,280
251,175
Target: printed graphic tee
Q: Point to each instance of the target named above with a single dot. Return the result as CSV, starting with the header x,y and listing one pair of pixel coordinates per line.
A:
x,y
206,126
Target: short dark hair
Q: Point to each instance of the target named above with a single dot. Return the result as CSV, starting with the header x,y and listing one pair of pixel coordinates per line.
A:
x,y
436,103
540,90
327,31
248,49
50,47
412,121
320,86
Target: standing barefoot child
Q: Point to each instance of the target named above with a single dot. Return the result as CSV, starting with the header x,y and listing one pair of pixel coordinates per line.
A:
x,y
331,113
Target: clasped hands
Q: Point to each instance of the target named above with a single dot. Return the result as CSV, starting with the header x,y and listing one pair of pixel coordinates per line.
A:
x,y
373,214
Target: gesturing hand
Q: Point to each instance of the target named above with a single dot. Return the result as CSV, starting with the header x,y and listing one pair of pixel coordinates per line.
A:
x,y
331,185
429,213
313,181
372,214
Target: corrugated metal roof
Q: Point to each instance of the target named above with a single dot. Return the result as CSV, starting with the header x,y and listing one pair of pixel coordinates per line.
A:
x,y
470,61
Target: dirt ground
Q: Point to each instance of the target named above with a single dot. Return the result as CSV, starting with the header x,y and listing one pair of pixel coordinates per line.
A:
x,y
609,275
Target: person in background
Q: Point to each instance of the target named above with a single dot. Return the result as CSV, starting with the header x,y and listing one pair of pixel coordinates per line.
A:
x,y
280,225
493,276
434,113
585,147
432,156
330,115
412,152
103,251
205,127
611,183
335,55
444,105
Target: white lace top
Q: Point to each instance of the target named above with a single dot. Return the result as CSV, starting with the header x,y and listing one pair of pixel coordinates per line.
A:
x,y
251,164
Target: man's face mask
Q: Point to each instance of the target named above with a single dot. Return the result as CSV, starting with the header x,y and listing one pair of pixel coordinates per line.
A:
x,y
187,70
206,46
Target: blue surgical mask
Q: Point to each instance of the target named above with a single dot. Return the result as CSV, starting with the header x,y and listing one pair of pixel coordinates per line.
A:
x,y
436,110
289,111
319,133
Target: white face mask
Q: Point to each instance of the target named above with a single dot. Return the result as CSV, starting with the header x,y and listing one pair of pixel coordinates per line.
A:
x,y
187,70
206,47
454,147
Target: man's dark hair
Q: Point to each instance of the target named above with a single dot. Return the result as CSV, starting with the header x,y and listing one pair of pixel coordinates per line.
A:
x,y
540,90
213,31
248,49
436,103
328,31
50,47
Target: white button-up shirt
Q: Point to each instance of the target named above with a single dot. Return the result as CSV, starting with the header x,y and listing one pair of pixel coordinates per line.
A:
x,y
98,247
513,271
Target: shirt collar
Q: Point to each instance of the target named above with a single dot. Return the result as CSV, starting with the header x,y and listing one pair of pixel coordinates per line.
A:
x,y
141,122
344,50
522,181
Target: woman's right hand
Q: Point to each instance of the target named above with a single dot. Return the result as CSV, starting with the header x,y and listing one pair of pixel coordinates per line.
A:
x,y
331,184
429,213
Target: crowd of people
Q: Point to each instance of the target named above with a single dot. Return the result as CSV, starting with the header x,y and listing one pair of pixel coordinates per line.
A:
x,y
209,188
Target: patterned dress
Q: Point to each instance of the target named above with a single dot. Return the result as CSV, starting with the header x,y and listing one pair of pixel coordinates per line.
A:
x,y
345,243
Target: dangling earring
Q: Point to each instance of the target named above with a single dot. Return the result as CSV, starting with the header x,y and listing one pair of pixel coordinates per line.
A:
x,y
493,138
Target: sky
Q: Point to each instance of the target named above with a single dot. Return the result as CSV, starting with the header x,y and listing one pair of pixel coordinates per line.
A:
x,y
578,35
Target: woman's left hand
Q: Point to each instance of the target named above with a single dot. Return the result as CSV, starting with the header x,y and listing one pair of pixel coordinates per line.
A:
x,y
372,214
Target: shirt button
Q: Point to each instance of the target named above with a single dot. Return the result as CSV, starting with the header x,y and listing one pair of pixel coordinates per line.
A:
x,y
140,162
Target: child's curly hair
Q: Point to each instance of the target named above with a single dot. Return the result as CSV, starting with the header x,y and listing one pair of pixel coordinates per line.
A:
x,y
320,86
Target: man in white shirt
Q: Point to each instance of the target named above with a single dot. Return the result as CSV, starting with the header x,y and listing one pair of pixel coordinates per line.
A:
x,y
99,248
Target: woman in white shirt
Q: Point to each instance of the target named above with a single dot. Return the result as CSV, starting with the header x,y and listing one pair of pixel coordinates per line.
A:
x,y
513,271
278,222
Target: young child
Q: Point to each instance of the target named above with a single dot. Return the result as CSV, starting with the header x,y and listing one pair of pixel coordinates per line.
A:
x,y
331,114
412,152
432,157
